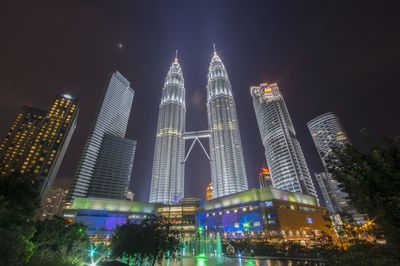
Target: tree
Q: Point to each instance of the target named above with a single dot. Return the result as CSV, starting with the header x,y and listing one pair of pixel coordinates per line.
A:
x,y
58,241
146,242
19,200
372,181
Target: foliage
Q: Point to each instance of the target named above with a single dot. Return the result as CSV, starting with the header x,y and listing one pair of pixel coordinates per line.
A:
x,y
362,253
18,204
372,181
146,242
59,241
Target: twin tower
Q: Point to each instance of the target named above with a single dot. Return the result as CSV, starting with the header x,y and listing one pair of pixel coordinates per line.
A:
x,y
228,173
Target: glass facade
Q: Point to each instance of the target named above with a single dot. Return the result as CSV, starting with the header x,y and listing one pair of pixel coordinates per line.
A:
x,y
283,153
112,119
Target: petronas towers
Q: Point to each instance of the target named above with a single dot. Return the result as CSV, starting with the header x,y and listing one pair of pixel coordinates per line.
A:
x,y
168,172
228,172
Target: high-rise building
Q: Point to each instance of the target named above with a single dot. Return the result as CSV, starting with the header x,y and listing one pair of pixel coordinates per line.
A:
x,y
327,132
37,141
228,173
264,178
283,153
113,169
16,144
167,183
97,171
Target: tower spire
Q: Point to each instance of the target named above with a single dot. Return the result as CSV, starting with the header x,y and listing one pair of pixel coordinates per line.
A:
x,y
176,55
215,51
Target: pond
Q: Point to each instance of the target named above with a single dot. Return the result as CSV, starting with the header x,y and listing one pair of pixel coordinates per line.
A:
x,y
211,261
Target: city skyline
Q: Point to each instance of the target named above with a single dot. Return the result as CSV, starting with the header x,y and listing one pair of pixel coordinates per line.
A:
x,y
314,79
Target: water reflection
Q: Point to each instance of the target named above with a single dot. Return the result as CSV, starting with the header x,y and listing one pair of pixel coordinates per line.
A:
x,y
215,261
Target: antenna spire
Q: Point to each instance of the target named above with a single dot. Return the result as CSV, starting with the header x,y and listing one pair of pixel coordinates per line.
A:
x,y
215,51
176,55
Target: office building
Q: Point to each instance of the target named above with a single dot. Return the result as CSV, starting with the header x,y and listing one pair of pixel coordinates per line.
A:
x,y
283,153
113,169
327,133
228,173
167,182
97,172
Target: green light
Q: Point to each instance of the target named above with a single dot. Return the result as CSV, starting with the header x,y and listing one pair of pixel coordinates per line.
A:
x,y
249,262
246,226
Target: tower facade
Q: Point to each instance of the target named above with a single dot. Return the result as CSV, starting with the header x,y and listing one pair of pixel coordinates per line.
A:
x,y
111,119
228,173
167,183
283,153
327,132
113,169
37,141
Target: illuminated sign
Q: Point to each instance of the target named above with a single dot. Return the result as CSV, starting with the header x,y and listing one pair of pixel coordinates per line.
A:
x,y
265,171
266,89
309,220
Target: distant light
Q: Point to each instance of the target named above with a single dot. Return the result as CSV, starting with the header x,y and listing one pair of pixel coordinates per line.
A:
x,y
120,45
67,96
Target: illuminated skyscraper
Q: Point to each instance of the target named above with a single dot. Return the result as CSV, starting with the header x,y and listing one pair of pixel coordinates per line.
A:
x,y
16,144
283,153
98,174
167,182
228,173
327,132
37,141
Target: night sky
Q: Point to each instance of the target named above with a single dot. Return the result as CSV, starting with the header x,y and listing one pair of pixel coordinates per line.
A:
x,y
340,56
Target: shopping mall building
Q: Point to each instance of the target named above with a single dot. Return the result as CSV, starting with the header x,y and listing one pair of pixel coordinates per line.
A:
x,y
255,213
